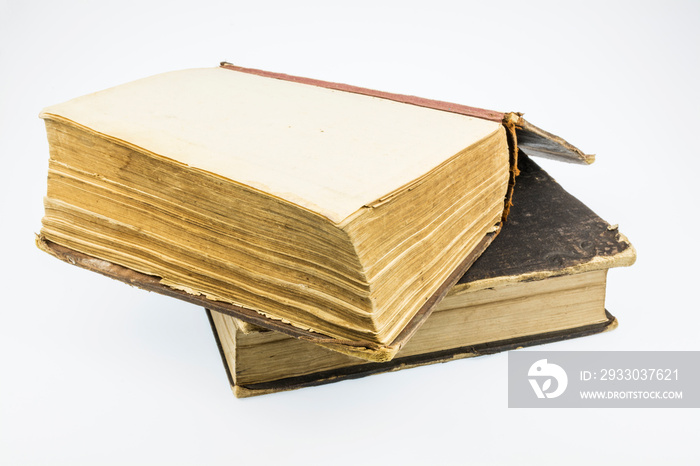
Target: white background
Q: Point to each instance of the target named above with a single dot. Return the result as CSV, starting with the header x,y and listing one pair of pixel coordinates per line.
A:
x,y
95,372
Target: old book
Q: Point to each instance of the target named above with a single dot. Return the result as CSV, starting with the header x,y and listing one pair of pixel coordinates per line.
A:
x,y
327,212
543,279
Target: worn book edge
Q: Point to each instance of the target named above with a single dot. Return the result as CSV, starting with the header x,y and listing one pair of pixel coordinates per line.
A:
x,y
625,258
354,372
361,349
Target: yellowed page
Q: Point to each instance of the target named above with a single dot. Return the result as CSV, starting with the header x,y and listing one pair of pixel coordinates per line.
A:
x,y
328,151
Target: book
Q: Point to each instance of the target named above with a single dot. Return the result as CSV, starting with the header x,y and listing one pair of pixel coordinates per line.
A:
x,y
543,279
328,212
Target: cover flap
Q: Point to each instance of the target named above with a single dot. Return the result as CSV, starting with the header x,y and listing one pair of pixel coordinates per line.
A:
x,y
538,142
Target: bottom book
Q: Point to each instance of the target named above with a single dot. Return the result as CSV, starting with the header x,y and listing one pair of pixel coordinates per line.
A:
x,y
543,279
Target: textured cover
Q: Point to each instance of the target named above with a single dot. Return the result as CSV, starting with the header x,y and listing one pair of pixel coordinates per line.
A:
x,y
549,232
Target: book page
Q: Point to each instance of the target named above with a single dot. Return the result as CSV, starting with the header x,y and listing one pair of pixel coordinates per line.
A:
x,y
328,151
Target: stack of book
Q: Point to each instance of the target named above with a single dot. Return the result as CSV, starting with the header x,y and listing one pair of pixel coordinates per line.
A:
x,y
330,231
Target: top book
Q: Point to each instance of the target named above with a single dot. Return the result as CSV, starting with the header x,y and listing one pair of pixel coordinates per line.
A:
x,y
320,210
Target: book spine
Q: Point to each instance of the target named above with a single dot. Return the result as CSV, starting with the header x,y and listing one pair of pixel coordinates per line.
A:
x,y
407,99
